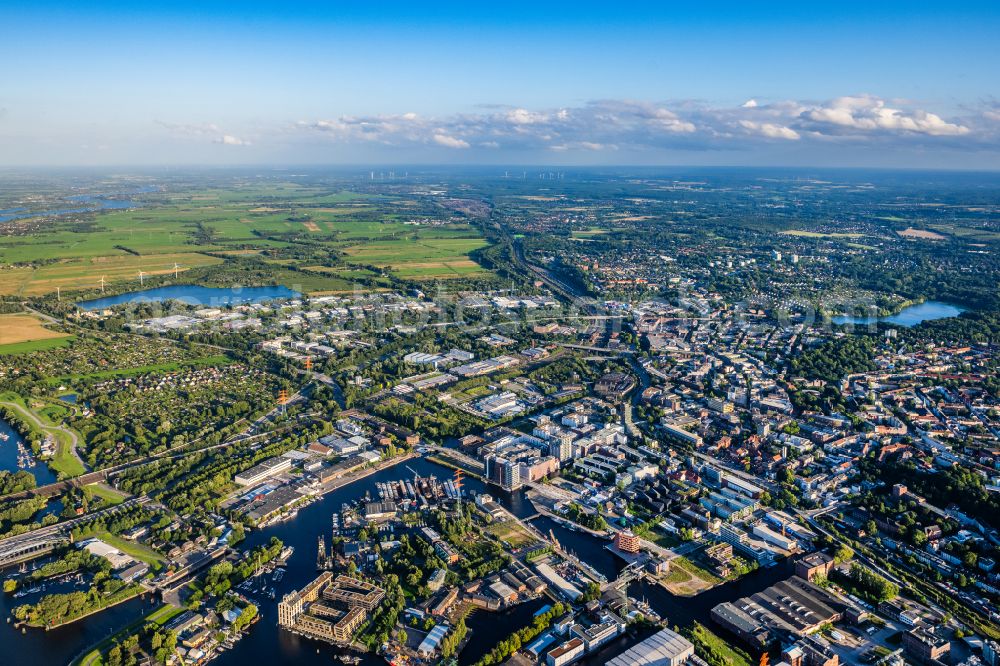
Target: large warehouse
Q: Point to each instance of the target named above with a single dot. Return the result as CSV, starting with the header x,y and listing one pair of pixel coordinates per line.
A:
x,y
664,648
792,607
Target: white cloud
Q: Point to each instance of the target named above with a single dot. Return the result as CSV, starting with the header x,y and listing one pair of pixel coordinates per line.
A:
x,y
525,117
669,121
868,113
646,126
450,141
230,140
190,129
770,130
206,130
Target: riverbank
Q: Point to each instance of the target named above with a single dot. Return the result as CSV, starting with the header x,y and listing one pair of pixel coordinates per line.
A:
x,y
66,462
118,598
160,616
351,477
450,463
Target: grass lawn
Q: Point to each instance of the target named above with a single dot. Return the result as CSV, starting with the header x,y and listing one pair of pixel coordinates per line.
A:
x,y
696,570
110,495
663,539
713,649
34,345
65,462
160,617
136,550
512,533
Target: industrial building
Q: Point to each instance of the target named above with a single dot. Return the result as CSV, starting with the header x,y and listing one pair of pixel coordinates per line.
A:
x,y
261,471
794,607
664,648
565,653
566,588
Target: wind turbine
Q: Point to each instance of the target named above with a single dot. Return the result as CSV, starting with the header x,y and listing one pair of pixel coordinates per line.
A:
x,y
102,284
141,273
175,270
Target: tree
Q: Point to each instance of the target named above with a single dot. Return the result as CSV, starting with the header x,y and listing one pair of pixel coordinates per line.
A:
x,y
842,554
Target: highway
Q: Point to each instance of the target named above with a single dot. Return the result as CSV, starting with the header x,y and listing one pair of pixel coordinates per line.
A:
x,y
14,549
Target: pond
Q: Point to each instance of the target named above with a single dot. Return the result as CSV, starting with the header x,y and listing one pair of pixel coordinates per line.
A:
x,y
194,295
909,316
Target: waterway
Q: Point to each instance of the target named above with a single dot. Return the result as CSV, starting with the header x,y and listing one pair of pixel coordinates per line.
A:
x,y
82,203
194,295
8,456
267,644
909,316
59,646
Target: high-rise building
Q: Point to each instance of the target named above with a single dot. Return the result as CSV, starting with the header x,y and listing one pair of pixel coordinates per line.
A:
x,y
627,542
502,472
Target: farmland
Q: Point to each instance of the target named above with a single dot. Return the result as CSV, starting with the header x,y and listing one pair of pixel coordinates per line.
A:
x,y
24,332
283,227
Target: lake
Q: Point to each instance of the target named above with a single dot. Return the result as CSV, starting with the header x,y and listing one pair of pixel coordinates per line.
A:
x,y
194,295
909,316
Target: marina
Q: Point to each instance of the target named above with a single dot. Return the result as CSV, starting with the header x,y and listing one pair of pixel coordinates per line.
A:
x,y
16,455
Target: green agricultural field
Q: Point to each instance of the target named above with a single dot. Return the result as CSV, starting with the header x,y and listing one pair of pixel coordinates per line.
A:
x,y
424,258
33,346
288,226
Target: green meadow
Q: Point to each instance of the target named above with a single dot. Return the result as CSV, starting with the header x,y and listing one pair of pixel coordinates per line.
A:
x,y
307,237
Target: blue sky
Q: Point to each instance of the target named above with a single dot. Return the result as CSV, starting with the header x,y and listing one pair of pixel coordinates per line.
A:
x,y
851,83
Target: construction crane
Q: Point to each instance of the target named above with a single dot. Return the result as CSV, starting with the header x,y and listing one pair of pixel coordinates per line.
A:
x,y
458,488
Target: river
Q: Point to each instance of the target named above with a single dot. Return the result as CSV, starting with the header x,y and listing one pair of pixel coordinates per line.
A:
x,y
267,644
82,203
908,316
193,295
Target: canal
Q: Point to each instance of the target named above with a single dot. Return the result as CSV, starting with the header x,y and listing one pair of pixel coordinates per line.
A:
x,y
267,644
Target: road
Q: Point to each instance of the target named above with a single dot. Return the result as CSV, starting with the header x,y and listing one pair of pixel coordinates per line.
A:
x,y
30,544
